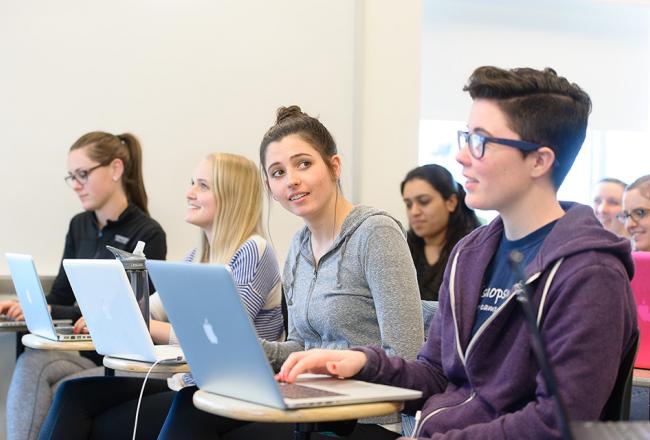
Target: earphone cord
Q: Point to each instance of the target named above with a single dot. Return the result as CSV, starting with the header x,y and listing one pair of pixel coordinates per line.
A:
x,y
137,410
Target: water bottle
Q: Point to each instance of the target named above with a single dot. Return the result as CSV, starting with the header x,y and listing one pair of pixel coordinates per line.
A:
x,y
136,271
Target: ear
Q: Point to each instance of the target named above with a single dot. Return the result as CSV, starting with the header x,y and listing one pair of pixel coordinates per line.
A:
x,y
117,169
451,203
542,161
335,161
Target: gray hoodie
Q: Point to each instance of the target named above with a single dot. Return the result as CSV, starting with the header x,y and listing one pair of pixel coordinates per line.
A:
x,y
364,291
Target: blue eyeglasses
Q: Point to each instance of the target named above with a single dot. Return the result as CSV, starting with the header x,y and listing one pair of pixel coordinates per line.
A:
x,y
476,143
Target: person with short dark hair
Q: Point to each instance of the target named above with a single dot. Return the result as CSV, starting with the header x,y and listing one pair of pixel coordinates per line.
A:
x,y
476,369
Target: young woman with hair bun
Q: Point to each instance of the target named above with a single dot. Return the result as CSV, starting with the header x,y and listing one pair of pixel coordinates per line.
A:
x,y
348,277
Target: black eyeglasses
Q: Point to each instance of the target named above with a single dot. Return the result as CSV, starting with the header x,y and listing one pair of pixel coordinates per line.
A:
x,y
476,143
636,215
80,176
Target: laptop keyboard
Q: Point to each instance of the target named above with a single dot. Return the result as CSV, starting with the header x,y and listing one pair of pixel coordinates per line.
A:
x,y
294,391
67,330
5,318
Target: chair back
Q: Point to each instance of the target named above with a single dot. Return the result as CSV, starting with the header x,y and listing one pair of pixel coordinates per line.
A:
x,y
618,405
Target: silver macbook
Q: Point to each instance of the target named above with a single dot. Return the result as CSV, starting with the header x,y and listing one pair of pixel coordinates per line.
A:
x,y
112,314
32,301
224,354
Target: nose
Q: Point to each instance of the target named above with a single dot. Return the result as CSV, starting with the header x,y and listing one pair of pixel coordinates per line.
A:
x,y
463,156
293,179
76,185
191,194
630,223
414,210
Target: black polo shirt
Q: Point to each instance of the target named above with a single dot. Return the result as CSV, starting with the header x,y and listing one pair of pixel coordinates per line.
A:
x,y
86,240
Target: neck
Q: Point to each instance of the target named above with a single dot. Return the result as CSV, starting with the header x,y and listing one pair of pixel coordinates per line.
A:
x,y
208,235
435,241
538,208
112,209
326,225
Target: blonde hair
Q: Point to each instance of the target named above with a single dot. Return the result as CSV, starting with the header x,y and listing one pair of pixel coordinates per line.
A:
x,y
237,191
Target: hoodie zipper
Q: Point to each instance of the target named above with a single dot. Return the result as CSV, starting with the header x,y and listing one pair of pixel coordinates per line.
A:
x,y
309,294
420,423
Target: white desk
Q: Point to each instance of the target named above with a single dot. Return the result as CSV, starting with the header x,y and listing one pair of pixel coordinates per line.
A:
x,y
39,343
142,367
303,418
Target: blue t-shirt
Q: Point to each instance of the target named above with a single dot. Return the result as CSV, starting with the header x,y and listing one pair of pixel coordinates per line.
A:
x,y
500,276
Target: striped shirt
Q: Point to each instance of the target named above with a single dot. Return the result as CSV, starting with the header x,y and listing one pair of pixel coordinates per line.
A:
x,y
255,270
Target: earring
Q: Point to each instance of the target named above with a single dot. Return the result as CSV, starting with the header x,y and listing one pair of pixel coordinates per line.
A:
x,y
114,178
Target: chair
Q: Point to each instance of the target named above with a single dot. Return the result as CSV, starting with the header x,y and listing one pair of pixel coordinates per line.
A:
x,y
618,405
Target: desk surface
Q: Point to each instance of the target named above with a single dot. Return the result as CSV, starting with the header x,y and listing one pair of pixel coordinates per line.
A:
x,y
241,410
39,343
641,378
142,367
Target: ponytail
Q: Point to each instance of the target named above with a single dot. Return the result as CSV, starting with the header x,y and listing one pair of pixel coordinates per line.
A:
x,y
132,178
104,147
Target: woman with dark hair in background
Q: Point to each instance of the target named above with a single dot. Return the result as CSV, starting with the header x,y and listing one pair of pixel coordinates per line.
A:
x,y
438,217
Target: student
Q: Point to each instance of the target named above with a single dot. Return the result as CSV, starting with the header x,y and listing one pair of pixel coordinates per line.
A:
x,y
438,218
348,277
225,202
634,216
476,369
608,203
105,171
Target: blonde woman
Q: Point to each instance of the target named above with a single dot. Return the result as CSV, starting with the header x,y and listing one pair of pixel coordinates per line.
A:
x,y
225,201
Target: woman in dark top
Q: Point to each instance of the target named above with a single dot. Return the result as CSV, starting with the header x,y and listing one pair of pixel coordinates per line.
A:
x,y
438,217
105,171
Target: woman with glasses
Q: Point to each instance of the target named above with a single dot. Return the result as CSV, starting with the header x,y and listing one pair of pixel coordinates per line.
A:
x,y
438,217
105,171
636,207
224,201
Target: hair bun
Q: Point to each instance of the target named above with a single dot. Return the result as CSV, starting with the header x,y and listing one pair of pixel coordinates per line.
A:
x,y
285,113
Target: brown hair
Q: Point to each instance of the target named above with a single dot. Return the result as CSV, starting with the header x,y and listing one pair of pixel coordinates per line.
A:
x,y
642,184
540,106
105,147
292,120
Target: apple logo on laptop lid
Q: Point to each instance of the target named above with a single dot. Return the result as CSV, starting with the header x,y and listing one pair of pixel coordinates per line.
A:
x,y
209,332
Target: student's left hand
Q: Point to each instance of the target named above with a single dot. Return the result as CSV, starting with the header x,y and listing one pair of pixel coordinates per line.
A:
x,y
339,363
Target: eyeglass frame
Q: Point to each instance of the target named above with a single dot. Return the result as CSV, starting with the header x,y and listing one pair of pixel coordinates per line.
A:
x,y
637,214
520,145
81,180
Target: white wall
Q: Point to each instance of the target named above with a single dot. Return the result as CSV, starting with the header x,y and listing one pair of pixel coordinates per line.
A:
x,y
389,95
187,77
602,46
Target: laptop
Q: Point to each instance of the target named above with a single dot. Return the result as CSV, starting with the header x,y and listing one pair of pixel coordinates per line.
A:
x,y
32,301
641,290
111,311
223,351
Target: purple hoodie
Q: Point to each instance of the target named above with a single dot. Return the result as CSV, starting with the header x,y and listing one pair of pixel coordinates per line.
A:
x,y
489,385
